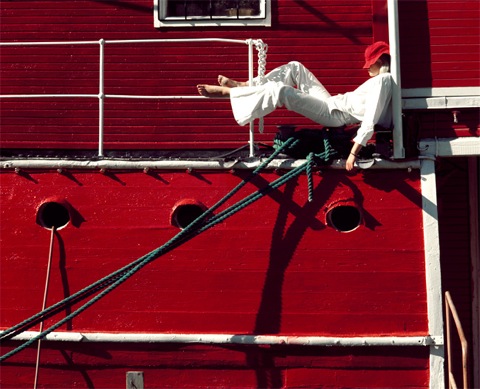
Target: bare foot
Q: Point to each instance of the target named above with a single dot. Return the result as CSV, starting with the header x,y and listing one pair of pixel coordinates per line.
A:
x,y
225,81
213,90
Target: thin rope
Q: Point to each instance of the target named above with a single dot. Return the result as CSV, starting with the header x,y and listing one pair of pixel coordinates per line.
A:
x,y
44,304
174,242
102,283
120,276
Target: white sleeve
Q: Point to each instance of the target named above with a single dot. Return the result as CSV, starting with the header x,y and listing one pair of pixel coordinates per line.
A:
x,y
378,99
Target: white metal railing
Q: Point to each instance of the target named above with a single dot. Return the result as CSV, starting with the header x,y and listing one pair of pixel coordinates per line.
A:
x,y
101,96
450,310
212,338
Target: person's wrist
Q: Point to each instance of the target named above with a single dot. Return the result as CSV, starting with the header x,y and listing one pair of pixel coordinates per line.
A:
x,y
355,155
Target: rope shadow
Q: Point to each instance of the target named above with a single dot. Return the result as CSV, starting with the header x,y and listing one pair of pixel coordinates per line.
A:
x,y
285,241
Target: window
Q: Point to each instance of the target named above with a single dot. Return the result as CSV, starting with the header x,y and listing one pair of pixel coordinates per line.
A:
x,y
191,13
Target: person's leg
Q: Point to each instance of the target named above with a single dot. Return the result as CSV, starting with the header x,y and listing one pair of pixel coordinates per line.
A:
x,y
250,103
293,74
230,83
310,106
213,90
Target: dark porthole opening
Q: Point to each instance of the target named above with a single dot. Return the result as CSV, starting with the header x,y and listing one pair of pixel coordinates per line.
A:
x,y
344,218
185,214
53,214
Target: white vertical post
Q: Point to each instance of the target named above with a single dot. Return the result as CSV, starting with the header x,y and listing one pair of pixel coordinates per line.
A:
x,y
433,271
394,42
101,97
250,80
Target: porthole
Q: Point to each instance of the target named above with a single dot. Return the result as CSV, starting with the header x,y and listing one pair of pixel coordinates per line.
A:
x,y
53,214
344,218
185,212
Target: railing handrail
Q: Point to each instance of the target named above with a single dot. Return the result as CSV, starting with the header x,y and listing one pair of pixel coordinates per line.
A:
x,y
122,41
450,309
102,95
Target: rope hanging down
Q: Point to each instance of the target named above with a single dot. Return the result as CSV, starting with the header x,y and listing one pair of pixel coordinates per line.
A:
x,y
199,225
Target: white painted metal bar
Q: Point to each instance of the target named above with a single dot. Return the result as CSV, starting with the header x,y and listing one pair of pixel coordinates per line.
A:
x,y
178,164
154,97
121,41
394,42
46,96
101,97
60,43
250,80
101,93
236,339
433,279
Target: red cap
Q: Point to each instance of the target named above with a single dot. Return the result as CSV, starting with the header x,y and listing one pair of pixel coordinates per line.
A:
x,y
374,52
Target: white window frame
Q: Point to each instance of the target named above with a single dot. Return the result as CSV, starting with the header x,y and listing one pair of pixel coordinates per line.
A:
x,y
160,20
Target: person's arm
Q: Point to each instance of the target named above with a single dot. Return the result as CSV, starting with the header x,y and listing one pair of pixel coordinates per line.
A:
x,y
378,99
353,156
376,102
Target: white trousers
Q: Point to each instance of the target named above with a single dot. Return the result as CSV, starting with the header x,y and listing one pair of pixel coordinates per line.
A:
x,y
292,86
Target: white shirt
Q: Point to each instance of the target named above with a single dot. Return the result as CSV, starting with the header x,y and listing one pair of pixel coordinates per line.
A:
x,y
369,103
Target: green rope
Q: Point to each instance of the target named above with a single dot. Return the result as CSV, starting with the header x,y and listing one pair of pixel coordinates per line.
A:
x,y
123,274
309,177
310,141
118,277
174,242
102,283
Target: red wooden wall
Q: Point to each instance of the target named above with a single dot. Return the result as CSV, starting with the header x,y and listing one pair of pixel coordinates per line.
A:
x,y
439,43
103,366
440,48
328,36
273,268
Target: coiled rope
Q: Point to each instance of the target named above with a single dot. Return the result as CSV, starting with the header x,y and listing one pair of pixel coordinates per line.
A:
x,y
116,278
262,49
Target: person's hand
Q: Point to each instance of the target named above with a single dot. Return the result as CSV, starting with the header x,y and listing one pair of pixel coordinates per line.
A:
x,y
350,165
352,157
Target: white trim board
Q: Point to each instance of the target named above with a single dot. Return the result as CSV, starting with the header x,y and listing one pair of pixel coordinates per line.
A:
x,y
432,271
449,147
437,92
441,98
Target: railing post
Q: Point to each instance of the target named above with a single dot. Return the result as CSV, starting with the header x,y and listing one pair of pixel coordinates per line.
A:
x,y
101,97
250,80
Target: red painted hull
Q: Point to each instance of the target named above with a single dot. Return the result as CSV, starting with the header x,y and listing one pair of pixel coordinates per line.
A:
x,y
273,268
202,366
276,259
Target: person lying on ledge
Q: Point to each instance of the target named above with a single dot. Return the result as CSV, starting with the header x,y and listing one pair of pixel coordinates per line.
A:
x,y
293,86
